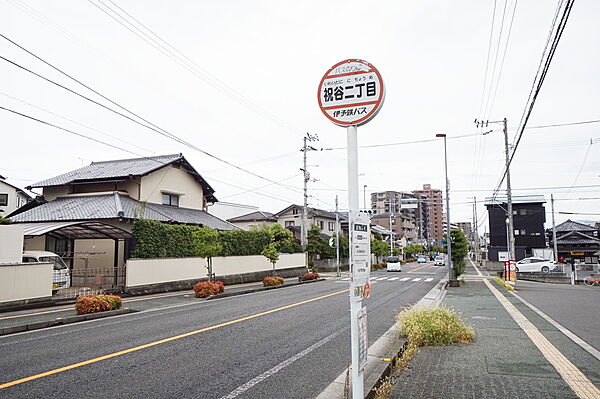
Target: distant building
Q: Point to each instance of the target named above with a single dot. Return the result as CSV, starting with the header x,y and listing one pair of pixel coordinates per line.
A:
x,y
252,220
529,216
11,197
576,241
466,229
291,218
431,205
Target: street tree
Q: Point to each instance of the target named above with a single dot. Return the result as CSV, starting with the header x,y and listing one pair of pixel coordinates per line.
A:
x,y
206,245
460,248
379,248
272,254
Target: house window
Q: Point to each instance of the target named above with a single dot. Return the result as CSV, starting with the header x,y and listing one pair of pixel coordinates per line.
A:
x,y
295,211
331,226
289,223
3,199
170,199
321,224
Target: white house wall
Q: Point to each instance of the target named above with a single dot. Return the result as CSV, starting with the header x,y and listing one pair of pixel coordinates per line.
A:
x,y
15,200
25,281
175,181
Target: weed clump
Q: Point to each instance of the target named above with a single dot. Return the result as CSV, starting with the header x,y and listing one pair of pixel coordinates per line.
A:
x,y
434,326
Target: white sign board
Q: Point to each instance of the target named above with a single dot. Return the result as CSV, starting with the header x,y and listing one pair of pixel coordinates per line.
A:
x,y
360,256
502,256
363,338
351,93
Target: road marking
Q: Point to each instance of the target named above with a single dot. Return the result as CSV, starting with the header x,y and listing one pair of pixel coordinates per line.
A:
x,y
162,341
578,382
380,278
590,349
405,279
346,279
428,279
394,278
417,268
417,279
243,388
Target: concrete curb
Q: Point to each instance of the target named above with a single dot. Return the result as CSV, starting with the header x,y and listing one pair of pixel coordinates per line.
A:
x,y
381,352
63,320
259,289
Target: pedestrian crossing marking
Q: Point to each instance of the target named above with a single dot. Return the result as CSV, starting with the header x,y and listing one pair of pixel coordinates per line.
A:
x,y
428,279
417,279
394,278
405,279
380,278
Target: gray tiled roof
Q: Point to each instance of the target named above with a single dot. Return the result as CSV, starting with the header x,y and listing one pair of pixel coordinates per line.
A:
x,y
112,206
254,217
577,238
570,225
111,170
310,212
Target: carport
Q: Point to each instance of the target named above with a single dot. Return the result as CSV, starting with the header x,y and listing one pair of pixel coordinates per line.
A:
x,y
69,231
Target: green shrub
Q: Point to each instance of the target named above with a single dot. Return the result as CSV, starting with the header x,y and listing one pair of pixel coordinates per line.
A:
x,y
97,303
433,326
207,288
270,281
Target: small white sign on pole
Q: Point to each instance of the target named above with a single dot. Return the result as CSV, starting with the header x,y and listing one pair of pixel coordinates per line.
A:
x,y
350,94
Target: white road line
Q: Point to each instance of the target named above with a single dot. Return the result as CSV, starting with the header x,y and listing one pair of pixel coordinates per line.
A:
x,y
417,279
405,279
346,279
243,388
380,278
394,278
428,279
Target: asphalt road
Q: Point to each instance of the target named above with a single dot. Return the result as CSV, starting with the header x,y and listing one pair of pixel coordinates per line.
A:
x,y
286,343
575,307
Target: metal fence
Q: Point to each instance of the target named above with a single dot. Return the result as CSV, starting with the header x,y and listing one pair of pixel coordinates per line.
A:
x,y
93,280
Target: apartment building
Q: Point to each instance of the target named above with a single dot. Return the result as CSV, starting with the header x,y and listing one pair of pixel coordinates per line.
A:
x,y
431,199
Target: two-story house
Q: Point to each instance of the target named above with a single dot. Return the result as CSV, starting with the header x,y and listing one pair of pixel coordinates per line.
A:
x,y
87,215
577,241
253,220
291,218
11,197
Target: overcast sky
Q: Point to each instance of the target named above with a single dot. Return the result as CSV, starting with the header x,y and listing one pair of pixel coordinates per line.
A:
x,y
251,94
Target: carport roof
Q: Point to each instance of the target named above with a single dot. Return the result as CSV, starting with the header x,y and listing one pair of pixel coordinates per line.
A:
x,y
75,230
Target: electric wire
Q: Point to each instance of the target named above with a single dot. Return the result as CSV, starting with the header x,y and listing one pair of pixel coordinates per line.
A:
x,y
485,112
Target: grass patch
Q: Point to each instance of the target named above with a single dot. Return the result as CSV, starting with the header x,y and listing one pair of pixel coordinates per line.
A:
x,y
504,284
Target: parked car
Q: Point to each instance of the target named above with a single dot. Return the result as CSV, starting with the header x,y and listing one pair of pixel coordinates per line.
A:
x,y
439,260
534,264
393,264
61,278
421,259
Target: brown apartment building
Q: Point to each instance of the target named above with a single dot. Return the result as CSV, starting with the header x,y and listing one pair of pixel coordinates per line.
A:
x,y
434,211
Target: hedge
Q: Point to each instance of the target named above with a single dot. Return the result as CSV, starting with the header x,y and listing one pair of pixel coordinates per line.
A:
x,y
161,240
270,281
207,288
97,303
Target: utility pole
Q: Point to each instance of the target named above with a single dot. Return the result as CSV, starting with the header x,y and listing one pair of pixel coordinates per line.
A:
x,y
554,245
337,238
476,231
391,228
511,235
305,149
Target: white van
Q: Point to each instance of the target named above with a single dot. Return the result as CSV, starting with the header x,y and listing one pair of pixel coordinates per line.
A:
x,y
393,264
61,278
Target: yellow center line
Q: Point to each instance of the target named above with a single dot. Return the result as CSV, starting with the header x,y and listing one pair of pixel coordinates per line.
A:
x,y
417,268
162,341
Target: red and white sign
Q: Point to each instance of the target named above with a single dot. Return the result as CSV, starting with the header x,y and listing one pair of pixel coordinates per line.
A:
x,y
351,93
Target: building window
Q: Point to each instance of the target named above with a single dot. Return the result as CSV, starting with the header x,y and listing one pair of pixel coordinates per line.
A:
x,y
331,226
170,199
295,211
321,224
3,199
289,223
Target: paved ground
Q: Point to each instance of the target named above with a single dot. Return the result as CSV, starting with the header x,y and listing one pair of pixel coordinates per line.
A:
x,y
503,362
285,343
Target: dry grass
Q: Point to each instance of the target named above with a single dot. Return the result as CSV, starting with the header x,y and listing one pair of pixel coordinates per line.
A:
x,y
504,283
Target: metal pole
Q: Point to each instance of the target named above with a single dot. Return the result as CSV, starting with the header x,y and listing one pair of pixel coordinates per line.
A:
x,y
303,222
365,197
511,243
337,238
554,245
391,229
477,244
355,305
448,238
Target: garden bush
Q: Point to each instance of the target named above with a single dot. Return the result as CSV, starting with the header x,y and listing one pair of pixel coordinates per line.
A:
x,y
208,288
97,303
378,266
270,281
310,276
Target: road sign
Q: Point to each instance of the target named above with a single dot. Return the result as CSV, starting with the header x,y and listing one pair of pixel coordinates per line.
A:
x,y
363,340
360,241
367,290
351,93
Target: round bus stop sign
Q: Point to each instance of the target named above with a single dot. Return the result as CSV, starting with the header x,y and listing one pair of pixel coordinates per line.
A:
x,y
351,93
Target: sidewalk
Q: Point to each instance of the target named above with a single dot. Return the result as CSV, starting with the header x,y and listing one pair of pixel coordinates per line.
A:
x,y
502,362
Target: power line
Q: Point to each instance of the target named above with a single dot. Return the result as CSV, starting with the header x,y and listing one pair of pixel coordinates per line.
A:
x,y
487,63
149,124
495,59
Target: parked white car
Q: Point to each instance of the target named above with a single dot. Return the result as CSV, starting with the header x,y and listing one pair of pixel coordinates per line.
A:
x,y
535,265
61,278
439,260
393,264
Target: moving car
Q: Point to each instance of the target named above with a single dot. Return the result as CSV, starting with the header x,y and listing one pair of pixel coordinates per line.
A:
x,y
421,259
61,277
439,260
393,264
535,265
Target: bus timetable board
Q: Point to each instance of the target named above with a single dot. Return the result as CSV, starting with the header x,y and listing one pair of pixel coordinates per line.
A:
x,y
360,257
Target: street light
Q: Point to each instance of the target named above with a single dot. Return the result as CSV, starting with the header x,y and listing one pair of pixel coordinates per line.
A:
x,y
448,238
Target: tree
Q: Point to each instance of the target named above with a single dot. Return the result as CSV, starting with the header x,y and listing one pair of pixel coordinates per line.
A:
x,y
460,248
412,249
282,237
206,245
396,251
344,246
315,245
270,252
438,249
378,247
